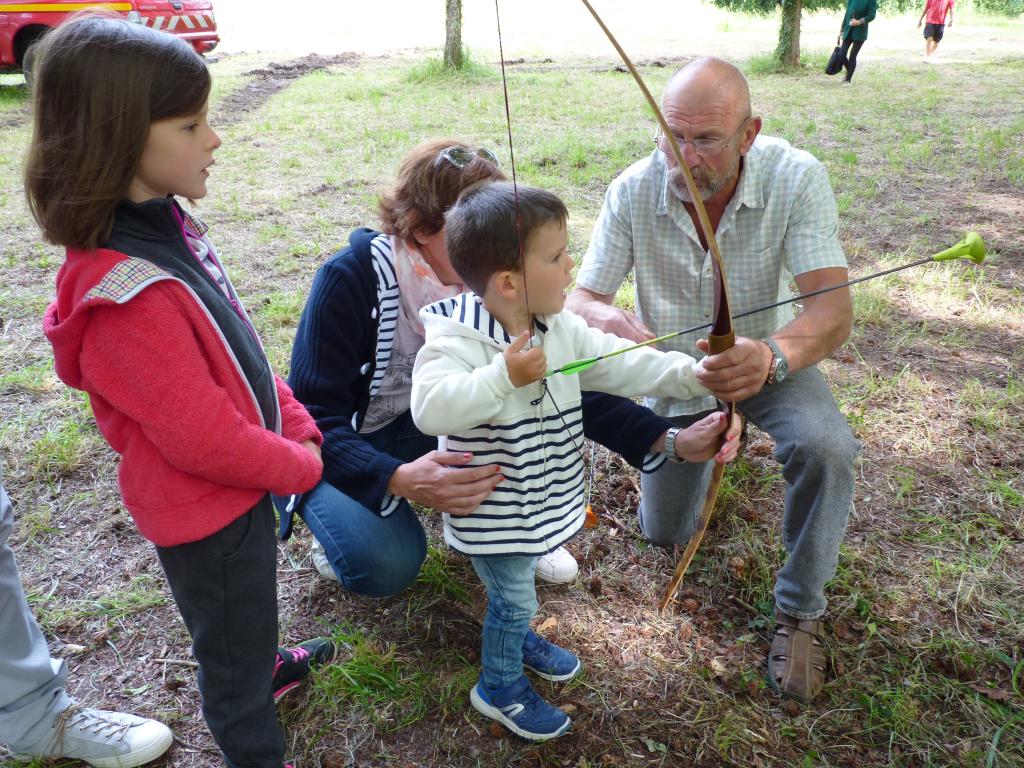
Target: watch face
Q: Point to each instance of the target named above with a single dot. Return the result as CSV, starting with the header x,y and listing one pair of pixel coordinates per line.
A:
x,y
781,369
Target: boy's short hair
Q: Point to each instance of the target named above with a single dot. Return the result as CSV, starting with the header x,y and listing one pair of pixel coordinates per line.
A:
x,y
482,236
100,82
427,186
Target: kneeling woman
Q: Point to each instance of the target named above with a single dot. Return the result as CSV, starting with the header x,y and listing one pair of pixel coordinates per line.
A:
x,y
352,368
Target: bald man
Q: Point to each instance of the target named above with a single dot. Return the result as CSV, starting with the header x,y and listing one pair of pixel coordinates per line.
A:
x,y
775,220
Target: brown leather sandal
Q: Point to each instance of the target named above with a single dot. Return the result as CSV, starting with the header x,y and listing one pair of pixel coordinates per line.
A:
x,y
796,661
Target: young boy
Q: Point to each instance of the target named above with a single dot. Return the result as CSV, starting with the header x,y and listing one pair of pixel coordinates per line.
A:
x,y
479,381
935,23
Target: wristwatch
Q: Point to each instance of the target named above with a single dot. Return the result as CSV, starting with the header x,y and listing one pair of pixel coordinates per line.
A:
x,y
670,446
779,368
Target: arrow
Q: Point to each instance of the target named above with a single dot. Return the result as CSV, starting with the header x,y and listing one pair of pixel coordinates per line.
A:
x,y
971,248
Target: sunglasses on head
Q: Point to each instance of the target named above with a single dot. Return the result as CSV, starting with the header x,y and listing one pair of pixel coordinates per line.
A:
x,y
460,157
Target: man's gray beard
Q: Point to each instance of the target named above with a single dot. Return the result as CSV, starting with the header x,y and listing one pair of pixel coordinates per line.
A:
x,y
677,186
708,185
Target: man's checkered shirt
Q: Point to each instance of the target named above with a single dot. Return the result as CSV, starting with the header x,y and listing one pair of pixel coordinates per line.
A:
x,y
781,221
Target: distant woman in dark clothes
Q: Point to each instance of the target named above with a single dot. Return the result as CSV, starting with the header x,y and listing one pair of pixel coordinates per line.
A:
x,y
859,13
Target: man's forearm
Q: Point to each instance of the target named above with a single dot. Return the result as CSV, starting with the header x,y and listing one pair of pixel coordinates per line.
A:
x,y
581,299
818,331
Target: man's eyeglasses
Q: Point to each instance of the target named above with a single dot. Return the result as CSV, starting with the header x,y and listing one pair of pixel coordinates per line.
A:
x,y
460,157
703,147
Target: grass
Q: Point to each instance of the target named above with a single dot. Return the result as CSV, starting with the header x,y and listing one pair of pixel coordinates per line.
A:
x,y
143,593
926,606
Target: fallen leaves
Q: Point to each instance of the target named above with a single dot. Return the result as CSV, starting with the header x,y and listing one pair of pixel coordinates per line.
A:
x,y
791,708
547,625
993,694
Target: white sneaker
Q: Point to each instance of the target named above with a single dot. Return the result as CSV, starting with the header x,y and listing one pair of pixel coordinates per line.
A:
x,y
321,563
558,567
101,739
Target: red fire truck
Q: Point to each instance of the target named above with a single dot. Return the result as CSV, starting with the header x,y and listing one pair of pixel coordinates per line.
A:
x,y
23,23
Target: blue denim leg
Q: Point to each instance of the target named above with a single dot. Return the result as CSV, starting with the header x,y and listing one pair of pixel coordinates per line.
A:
x,y
511,604
373,556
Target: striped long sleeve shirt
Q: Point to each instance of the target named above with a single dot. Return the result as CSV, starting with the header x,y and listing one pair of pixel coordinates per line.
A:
x,y
462,393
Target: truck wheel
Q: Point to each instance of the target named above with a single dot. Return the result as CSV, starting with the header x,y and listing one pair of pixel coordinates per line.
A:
x,y
25,51
26,64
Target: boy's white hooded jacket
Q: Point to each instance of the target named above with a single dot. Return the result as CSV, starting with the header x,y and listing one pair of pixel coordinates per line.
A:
x,y
461,391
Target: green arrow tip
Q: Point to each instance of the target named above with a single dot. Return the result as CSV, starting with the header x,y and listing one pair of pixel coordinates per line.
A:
x,y
972,247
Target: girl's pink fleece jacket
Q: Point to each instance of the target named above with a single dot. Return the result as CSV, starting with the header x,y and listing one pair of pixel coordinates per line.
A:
x,y
170,398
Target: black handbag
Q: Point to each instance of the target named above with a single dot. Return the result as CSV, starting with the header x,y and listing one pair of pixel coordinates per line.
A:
x,y
836,61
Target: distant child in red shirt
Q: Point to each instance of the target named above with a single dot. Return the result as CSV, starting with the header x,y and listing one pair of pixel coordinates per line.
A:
x,y
934,16
147,323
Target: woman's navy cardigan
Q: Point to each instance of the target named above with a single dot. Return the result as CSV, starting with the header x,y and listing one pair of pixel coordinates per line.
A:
x,y
333,364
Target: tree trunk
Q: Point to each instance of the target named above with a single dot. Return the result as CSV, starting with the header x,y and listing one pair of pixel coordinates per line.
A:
x,y
788,50
453,34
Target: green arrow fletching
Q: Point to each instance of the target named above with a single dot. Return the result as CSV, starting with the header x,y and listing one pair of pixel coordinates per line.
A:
x,y
578,366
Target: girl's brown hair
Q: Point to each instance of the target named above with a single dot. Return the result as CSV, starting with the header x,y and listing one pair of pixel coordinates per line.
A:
x,y
428,185
99,84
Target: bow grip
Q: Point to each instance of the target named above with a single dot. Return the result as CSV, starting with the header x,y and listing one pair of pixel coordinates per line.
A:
x,y
719,343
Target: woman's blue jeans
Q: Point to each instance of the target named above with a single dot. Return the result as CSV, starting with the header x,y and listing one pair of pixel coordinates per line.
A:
x,y
372,555
511,605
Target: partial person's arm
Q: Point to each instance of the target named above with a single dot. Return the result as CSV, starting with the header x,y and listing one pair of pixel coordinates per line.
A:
x,y
335,338
188,416
440,381
813,335
924,11
868,17
949,12
641,371
296,423
623,427
609,259
600,312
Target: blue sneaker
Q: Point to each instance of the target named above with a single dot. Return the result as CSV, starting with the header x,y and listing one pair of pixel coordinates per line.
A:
x,y
548,660
521,710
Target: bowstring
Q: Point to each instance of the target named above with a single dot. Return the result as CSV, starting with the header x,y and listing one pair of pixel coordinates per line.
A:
x,y
545,390
521,246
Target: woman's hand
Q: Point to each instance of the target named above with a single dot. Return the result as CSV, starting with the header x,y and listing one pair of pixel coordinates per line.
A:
x,y
855,22
703,440
438,481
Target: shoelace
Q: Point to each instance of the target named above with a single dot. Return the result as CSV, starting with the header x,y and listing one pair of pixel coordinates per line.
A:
x,y
76,716
538,647
297,654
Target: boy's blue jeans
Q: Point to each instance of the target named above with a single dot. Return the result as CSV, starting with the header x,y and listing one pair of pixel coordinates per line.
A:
x,y
511,605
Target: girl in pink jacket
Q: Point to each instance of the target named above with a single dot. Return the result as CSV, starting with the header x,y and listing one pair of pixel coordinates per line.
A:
x,y
147,323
